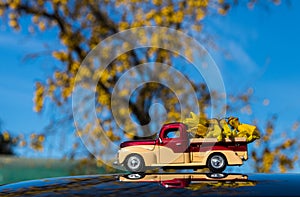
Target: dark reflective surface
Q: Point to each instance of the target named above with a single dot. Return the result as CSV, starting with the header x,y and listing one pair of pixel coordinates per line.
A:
x,y
192,181
167,184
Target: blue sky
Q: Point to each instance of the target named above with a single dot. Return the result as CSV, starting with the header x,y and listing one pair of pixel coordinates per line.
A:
x,y
262,50
264,47
17,84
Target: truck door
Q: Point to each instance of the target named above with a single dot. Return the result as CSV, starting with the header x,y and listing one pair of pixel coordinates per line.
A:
x,y
174,143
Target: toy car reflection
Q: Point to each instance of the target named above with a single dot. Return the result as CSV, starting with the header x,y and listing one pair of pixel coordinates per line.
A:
x,y
190,180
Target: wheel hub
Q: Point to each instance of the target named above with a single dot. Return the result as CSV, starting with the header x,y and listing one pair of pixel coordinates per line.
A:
x,y
134,176
217,161
133,162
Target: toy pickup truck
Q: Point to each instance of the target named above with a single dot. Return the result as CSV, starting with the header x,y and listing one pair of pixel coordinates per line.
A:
x,y
176,148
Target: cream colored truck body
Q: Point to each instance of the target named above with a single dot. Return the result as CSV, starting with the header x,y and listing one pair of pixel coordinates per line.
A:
x,y
173,148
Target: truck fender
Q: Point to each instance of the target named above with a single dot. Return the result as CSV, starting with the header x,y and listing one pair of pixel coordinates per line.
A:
x,y
231,157
148,156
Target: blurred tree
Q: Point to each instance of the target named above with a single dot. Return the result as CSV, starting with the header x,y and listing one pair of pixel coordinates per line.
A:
x,y
82,24
273,150
6,142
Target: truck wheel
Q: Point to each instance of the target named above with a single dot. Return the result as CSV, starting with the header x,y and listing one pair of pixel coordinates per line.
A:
x,y
134,163
216,163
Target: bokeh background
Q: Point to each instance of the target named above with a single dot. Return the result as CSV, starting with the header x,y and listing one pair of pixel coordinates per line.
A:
x,y
42,43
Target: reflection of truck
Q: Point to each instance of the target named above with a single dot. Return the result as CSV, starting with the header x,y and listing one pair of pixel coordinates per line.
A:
x,y
183,180
175,148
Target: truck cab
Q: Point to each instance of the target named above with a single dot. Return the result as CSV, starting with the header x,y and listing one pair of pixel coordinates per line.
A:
x,y
176,148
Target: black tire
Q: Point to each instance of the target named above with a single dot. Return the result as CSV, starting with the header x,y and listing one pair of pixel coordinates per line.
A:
x,y
134,163
216,163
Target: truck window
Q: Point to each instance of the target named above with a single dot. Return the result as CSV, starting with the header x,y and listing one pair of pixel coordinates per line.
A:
x,y
191,135
172,133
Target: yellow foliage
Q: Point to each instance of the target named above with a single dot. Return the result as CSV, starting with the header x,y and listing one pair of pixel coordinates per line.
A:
x,y
150,14
202,3
220,184
123,25
222,11
32,136
12,16
56,1
39,97
74,68
158,19
167,10
60,55
157,2
285,145
84,73
35,19
41,138
123,111
13,23
249,131
110,134
129,135
103,99
79,133
200,14
189,54
40,2
99,163
220,129
227,132
197,27
42,25
66,92
36,142
268,160
22,143
6,136
123,93
193,121
178,17
14,4
90,17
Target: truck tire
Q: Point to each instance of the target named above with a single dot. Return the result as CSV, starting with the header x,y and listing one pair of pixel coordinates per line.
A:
x,y
216,163
134,163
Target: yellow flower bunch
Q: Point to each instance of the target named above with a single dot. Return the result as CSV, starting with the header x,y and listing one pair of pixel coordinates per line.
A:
x,y
220,128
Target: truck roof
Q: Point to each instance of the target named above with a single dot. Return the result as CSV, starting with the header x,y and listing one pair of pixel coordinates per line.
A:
x,y
174,123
